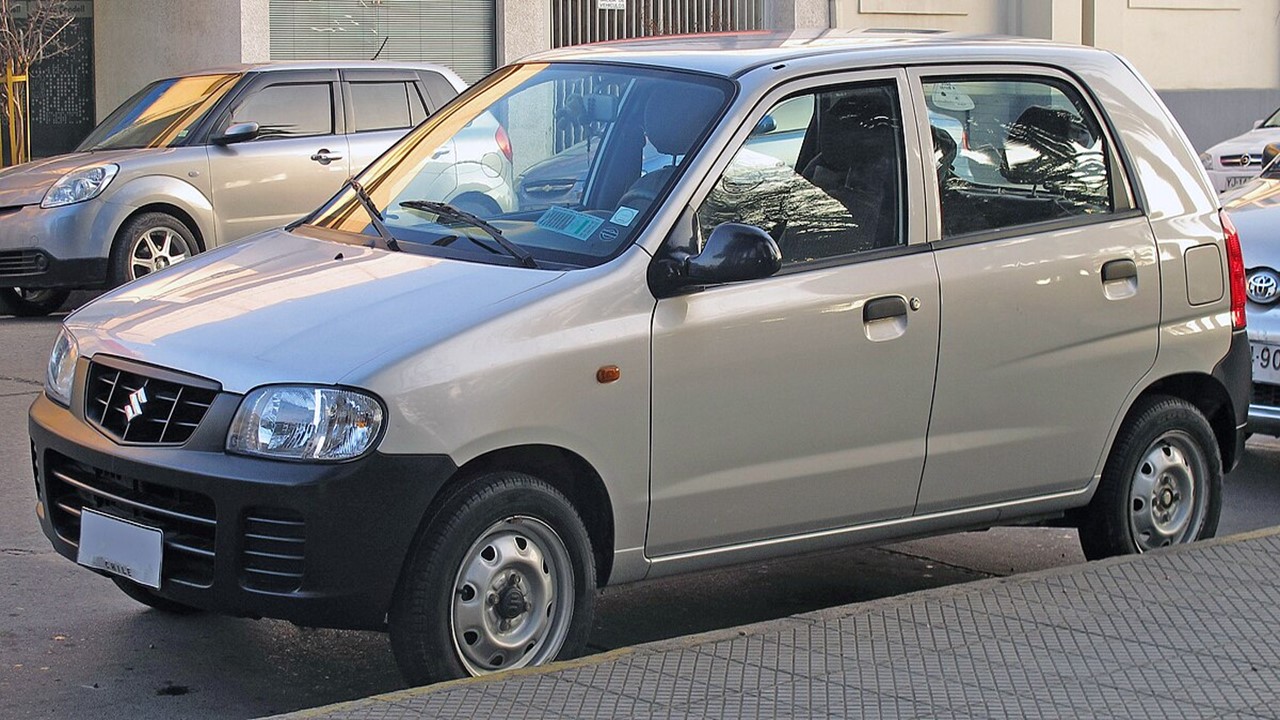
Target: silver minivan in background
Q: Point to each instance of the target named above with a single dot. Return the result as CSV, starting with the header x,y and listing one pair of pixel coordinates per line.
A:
x,y
964,282
200,160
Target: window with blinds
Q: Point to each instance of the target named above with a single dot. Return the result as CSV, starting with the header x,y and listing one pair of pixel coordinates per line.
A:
x,y
459,34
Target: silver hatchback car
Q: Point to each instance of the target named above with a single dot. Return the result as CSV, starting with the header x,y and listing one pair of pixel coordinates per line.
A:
x,y
456,424
196,161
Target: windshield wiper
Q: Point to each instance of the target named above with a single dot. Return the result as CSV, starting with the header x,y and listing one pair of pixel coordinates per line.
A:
x,y
449,211
384,232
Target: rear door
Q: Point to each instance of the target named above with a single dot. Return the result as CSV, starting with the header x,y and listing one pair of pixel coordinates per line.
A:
x,y
381,106
1050,286
299,160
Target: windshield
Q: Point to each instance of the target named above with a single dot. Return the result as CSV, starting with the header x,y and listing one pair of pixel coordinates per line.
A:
x,y
563,160
1273,121
161,115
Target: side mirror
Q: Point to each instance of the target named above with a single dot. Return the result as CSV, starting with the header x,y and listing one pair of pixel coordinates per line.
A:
x,y
766,125
734,252
1269,167
240,132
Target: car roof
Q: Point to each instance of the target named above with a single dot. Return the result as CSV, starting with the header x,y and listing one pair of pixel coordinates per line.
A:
x,y
735,53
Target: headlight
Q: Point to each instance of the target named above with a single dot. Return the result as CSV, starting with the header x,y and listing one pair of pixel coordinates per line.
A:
x,y
293,422
79,185
1206,160
62,368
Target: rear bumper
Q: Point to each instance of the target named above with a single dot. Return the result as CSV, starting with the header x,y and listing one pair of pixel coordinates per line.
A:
x,y
1235,372
315,544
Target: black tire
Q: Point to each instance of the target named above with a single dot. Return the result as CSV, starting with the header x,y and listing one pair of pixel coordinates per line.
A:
x,y
145,596
32,302
1166,445
160,228
454,567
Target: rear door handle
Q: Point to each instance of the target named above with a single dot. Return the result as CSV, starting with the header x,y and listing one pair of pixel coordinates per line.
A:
x,y
324,158
883,308
1119,270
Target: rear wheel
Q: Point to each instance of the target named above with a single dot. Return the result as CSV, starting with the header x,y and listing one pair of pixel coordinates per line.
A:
x,y
145,596
32,302
147,243
1161,486
503,578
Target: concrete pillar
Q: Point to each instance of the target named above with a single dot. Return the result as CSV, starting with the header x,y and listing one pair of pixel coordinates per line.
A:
x,y
1059,20
524,28
255,31
793,14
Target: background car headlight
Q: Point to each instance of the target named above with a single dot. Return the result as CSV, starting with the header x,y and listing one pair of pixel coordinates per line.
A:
x,y
1206,160
79,185
305,423
62,368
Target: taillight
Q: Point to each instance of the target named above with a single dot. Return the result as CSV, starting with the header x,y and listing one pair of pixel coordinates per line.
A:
x,y
1235,270
504,142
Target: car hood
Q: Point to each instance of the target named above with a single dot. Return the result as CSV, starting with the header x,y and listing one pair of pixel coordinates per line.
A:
x,y
1255,211
1251,142
281,307
27,183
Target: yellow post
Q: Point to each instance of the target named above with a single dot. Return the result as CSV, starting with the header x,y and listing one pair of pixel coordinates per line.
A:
x,y
17,106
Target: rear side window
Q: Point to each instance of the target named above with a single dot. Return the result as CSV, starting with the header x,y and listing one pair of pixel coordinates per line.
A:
x,y
1015,151
294,110
386,106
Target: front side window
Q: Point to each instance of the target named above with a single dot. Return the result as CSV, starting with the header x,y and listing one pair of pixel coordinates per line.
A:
x,y
1015,151
565,161
284,111
163,114
823,173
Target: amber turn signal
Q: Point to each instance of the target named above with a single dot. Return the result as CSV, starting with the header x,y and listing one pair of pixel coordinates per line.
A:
x,y
608,374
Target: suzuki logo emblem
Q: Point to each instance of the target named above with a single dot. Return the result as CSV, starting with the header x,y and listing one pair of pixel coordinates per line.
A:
x,y
133,408
1263,286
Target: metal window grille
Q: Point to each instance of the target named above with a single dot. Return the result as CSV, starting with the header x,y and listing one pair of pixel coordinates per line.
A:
x,y
582,21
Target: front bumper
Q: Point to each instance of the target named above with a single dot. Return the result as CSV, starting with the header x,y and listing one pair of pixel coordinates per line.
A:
x,y
316,544
63,247
1229,179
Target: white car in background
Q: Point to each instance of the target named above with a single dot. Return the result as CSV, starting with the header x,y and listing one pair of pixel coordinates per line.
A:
x,y
1234,162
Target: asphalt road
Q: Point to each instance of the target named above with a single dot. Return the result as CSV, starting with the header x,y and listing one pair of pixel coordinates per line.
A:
x,y
71,645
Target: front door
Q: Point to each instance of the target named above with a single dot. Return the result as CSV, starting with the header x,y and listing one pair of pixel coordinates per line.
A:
x,y
298,161
800,402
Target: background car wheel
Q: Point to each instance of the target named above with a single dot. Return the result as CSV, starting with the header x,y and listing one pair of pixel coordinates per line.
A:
x,y
1161,486
502,578
31,302
145,596
147,243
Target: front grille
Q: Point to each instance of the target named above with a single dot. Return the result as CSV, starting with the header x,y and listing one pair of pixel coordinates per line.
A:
x,y
1266,395
1238,160
274,541
186,518
22,262
135,408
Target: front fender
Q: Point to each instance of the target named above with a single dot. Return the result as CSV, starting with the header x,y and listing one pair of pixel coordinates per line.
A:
x,y
164,190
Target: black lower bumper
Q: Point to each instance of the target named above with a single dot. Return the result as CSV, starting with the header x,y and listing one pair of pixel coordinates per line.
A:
x,y
316,544
36,269
1235,372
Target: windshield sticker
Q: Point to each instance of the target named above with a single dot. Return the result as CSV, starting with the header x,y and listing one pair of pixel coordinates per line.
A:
x,y
576,225
624,215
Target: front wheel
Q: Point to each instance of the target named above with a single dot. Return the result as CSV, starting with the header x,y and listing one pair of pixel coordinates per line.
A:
x,y
32,302
1161,486
503,578
148,243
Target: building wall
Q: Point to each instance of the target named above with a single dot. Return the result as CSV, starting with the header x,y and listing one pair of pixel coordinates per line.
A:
x,y
1216,63
137,41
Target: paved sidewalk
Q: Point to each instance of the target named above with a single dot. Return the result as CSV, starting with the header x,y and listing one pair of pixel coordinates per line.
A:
x,y
1191,632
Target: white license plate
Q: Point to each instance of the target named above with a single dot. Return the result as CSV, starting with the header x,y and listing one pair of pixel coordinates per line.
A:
x,y
121,547
1237,180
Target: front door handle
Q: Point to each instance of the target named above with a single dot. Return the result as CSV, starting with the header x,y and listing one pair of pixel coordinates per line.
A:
x,y
324,158
1119,270
883,308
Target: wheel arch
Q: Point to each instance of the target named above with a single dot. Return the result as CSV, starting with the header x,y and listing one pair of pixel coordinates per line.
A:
x,y
564,470
179,213
1208,395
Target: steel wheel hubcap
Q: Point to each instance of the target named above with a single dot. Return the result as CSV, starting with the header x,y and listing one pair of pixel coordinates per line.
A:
x,y
512,598
1166,504
156,249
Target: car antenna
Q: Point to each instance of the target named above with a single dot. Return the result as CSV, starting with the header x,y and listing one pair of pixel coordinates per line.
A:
x,y
380,47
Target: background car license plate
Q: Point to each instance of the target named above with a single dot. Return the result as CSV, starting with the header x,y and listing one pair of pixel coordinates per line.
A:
x,y
121,547
1238,180
1266,363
